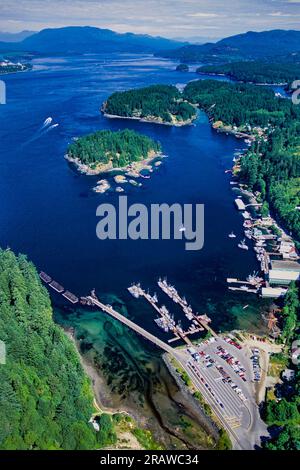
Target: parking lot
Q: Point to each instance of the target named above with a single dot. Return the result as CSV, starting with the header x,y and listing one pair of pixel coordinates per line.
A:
x,y
225,372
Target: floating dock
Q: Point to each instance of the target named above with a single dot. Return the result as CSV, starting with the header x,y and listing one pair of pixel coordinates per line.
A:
x,y
57,287
247,289
71,297
240,204
47,279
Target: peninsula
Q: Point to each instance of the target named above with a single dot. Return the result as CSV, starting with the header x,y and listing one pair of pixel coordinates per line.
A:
x,y
10,67
105,150
258,72
160,104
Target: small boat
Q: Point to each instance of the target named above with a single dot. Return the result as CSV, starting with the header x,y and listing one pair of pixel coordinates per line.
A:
x,y
243,245
182,228
245,306
232,235
248,234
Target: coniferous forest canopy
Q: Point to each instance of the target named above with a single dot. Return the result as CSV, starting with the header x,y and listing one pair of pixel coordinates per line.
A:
x,y
45,397
256,72
163,102
272,166
120,147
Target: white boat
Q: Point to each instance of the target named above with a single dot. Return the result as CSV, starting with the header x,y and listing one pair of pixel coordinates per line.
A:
x,y
232,235
243,245
182,228
248,234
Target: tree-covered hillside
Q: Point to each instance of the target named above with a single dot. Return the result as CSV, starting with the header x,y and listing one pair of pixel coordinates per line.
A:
x,y
120,148
238,104
272,164
45,397
256,72
160,103
264,45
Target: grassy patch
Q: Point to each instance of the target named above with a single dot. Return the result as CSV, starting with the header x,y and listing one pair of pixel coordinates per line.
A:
x,y
146,439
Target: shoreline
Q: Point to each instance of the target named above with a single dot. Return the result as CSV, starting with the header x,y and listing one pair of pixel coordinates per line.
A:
x,y
232,77
206,421
134,167
98,383
189,122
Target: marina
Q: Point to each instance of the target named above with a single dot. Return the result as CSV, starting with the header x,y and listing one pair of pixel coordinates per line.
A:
x,y
274,250
166,320
171,292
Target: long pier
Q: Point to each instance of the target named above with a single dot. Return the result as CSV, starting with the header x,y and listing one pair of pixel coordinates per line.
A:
x,y
108,309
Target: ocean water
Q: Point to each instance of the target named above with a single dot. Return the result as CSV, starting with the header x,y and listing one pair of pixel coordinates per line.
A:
x,y
48,210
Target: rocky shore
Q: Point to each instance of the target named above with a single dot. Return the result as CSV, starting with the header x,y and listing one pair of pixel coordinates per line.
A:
x,y
150,119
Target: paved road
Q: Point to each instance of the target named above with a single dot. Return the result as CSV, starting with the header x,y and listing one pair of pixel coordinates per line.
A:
x,y
240,418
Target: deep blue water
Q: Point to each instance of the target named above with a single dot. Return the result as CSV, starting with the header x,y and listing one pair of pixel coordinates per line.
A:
x,y
48,211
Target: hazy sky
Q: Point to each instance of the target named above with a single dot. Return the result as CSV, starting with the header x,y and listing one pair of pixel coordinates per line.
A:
x,y
170,18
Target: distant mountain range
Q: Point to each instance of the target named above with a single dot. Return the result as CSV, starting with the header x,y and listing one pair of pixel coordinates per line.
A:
x,y
15,37
281,44
251,45
76,39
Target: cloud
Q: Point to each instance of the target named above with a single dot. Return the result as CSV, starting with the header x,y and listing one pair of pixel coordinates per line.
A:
x,y
280,14
158,17
204,15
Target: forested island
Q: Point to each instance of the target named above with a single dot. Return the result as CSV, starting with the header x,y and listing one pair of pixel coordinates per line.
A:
x,y
106,150
272,164
255,72
182,68
161,104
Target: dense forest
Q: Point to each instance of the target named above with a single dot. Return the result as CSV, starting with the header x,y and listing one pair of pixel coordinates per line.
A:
x,y
182,68
272,165
238,104
256,72
273,168
120,147
45,397
162,103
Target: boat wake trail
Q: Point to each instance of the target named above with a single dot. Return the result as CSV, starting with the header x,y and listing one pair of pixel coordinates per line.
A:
x,y
42,131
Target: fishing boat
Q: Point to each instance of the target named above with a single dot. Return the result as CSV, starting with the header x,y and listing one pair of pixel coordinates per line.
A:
x,y
232,235
248,234
243,245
